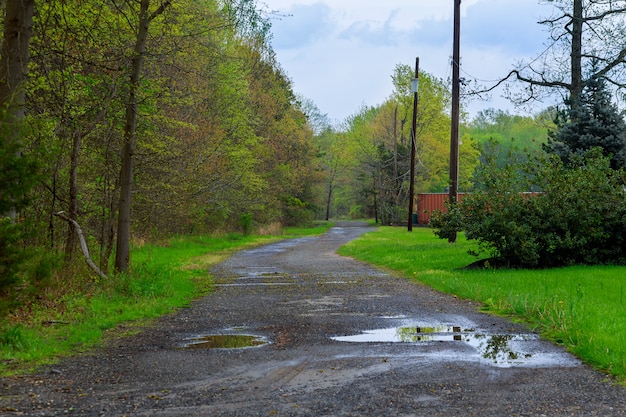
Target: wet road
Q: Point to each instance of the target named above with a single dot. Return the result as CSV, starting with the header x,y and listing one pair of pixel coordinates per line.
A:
x,y
331,336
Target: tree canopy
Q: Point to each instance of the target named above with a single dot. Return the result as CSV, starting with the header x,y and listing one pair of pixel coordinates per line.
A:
x,y
175,111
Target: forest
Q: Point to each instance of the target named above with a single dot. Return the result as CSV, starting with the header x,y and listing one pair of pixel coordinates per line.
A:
x,y
131,121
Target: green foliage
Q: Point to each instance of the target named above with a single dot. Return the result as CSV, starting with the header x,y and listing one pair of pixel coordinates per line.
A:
x,y
18,173
12,338
24,270
219,129
245,220
11,255
378,140
296,212
516,136
578,217
580,307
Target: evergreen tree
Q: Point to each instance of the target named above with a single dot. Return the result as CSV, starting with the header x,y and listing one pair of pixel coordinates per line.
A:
x,y
17,176
596,123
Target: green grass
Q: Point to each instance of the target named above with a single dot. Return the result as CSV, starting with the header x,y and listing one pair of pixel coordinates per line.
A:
x,y
78,312
583,307
316,229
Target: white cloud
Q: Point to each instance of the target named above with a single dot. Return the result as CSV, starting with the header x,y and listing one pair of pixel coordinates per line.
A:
x,y
306,24
341,53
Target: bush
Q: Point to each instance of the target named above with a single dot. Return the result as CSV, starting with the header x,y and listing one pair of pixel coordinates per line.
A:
x,y
578,217
11,255
245,221
24,270
296,212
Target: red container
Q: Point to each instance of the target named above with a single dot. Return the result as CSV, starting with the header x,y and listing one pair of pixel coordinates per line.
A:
x,y
430,202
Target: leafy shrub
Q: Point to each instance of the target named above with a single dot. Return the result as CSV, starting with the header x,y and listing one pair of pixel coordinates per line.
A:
x,y
11,255
578,217
245,221
12,337
296,212
24,271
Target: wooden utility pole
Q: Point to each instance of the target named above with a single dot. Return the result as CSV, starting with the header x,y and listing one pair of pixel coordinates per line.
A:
x,y
413,140
456,84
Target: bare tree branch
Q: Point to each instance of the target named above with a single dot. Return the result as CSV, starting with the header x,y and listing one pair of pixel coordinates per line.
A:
x,y
83,244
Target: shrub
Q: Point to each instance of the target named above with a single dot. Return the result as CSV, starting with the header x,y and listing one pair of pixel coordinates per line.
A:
x,y
245,221
296,212
11,255
578,217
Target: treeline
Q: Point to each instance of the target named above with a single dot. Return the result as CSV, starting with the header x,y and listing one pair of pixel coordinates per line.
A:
x,y
367,163
177,109
369,160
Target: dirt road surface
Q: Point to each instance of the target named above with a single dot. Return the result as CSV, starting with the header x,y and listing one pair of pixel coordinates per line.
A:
x,y
331,337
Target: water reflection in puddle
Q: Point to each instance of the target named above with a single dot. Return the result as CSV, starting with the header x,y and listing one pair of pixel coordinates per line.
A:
x,y
497,349
225,341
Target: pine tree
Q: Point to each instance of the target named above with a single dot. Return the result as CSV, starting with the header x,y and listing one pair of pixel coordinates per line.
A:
x,y
596,123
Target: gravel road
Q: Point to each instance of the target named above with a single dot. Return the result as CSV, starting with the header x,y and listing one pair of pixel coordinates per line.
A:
x,y
326,336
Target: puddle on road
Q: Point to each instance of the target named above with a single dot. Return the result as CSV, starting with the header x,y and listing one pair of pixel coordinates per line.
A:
x,y
496,349
256,284
261,279
225,341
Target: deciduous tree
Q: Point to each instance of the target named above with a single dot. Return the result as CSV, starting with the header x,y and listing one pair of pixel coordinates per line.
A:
x,y
14,57
587,41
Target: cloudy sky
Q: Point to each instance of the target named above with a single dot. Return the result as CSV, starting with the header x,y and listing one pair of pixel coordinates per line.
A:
x,y
341,53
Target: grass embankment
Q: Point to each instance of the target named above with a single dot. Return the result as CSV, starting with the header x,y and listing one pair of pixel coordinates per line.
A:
x,y
580,307
74,314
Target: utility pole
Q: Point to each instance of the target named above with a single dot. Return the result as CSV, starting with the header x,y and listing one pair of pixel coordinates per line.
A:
x,y
413,140
456,84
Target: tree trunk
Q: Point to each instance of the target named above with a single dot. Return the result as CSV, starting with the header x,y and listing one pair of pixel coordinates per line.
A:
x,y
331,185
70,241
18,23
395,145
122,255
83,245
576,86
108,231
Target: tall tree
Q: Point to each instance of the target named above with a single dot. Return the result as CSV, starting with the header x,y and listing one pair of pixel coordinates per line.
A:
x,y
18,23
588,41
122,255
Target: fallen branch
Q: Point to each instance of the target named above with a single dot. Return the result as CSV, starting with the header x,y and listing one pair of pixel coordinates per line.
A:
x,y
83,245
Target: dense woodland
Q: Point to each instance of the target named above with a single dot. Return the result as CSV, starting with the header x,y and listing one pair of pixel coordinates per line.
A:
x,y
208,120
139,120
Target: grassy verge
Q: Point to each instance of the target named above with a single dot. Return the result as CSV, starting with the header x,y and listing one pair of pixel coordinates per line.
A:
x,y
76,312
580,307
